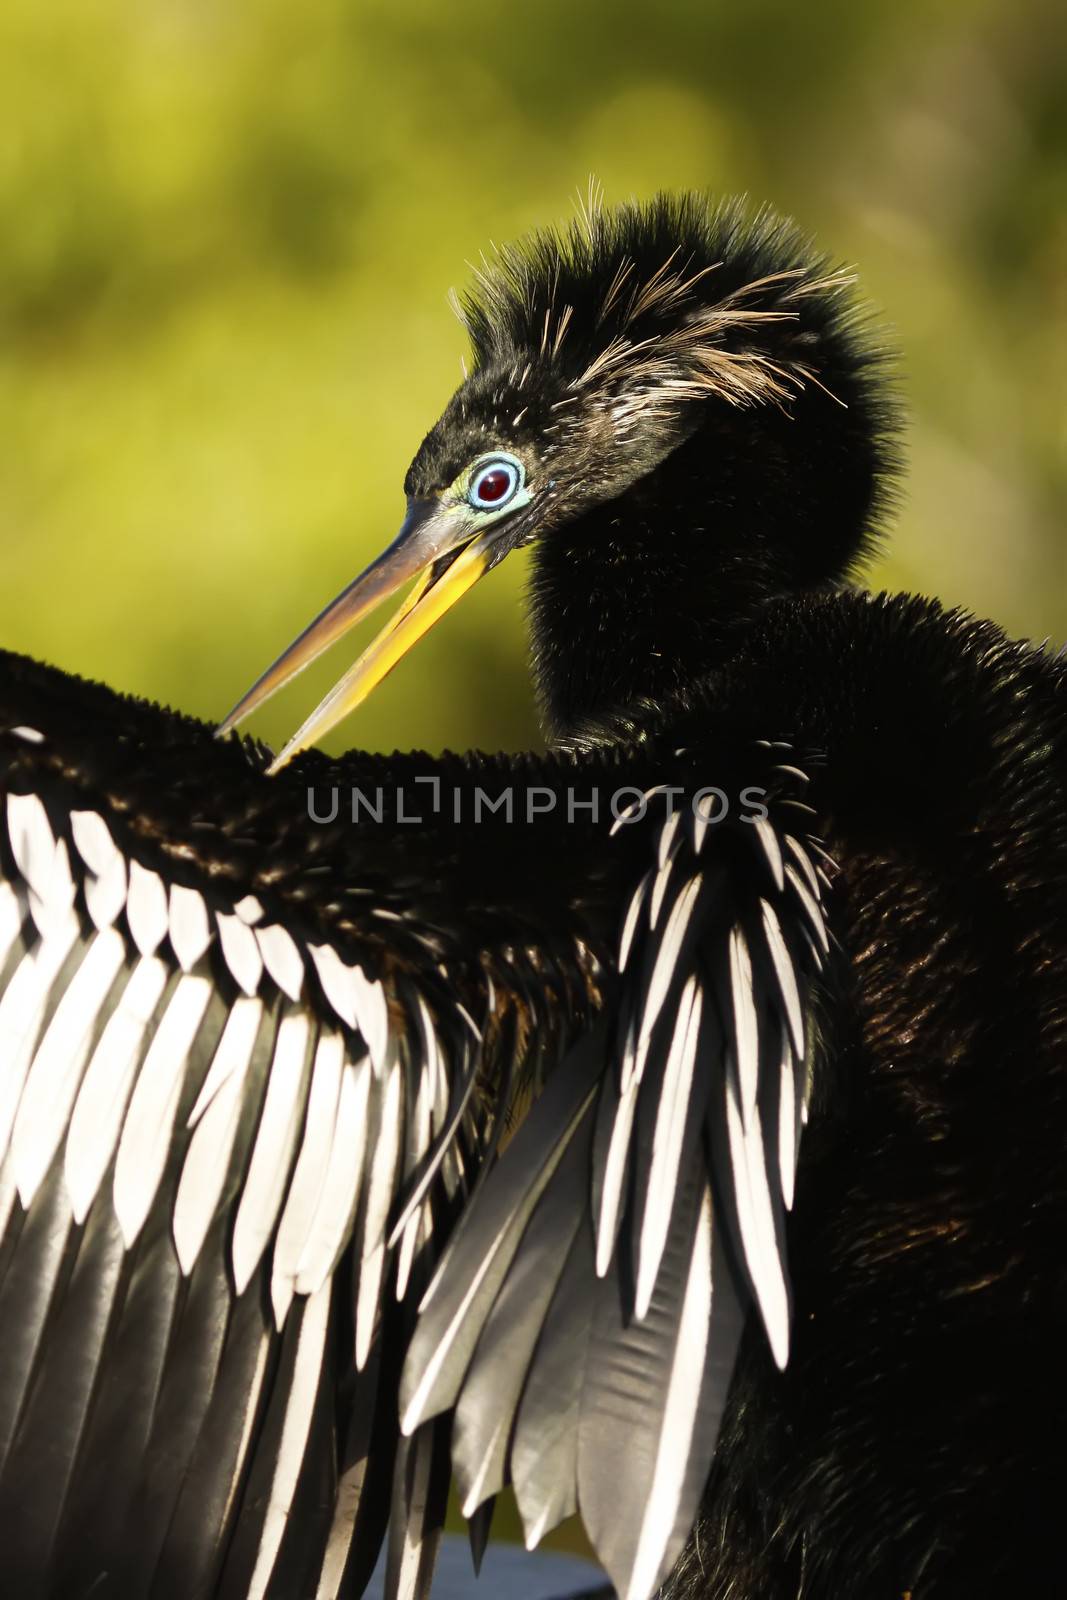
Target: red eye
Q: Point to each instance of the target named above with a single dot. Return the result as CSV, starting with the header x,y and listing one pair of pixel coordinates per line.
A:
x,y
496,482
493,486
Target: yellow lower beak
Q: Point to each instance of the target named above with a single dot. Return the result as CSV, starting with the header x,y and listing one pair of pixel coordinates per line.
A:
x,y
426,605
429,534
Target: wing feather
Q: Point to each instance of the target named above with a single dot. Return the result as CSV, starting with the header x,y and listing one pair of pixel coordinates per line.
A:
x,y
215,1120
149,1122
544,1454
267,1177
201,1154
585,1319
255,1196
55,1072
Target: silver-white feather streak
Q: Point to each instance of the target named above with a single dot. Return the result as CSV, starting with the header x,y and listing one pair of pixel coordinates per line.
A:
x,y
174,1085
594,1374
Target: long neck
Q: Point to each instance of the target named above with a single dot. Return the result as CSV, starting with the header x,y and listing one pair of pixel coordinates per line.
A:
x,y
645,594
618,612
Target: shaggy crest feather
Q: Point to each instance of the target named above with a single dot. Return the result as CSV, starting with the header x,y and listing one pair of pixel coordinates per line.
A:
x,y
682,278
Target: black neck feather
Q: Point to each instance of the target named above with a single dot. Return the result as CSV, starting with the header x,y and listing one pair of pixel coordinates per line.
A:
x,y
645,595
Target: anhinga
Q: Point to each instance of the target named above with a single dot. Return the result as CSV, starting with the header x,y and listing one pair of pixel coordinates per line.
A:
x,y
343,1152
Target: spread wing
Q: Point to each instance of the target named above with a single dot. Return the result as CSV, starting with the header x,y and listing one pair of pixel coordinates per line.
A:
x,y
253,1072
237,1117
584,1320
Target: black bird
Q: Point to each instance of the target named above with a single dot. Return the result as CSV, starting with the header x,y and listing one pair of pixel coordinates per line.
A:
x,y
342,1152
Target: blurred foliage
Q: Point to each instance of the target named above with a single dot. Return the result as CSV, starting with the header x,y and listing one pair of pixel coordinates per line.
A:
x,y
228,232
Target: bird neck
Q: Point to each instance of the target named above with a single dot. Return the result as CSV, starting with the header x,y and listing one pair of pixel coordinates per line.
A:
x,y
641,596
648,593
608,626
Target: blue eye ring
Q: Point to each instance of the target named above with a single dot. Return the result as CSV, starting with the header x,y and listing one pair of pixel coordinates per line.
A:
x,y
495,482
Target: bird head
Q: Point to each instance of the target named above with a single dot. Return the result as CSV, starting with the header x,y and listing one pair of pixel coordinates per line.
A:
x,y
699,365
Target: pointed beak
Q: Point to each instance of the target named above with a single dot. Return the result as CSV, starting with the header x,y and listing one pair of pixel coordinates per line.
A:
x,y
435,545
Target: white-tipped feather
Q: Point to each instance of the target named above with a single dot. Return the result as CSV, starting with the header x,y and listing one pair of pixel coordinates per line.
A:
x,y
105,896
629,927
307,1373
372,1015
101,1104
146,908
679,1415
330,1223
772,850
628,1065
92,838
804,861
420,1127
671,1113
441,1121
240,951
214,1121
33,843
149,1123
189,925
368,1301
230,1054
465,1017
755,1218
788,1125
625,815
534,1531
54,910
701,822
477,1490
385,1157
667,837
309,1174
417,1224
56,1070
612,1194
248,909
282,1294
659,889
421,1111
279,1127
412,1416
431,1371
380,1185
811,906
22,1008
802,1082
665,968
282,959
746,1024
434,1074
336,980
787,978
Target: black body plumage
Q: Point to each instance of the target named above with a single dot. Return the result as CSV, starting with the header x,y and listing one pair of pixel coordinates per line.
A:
x,y
755,1372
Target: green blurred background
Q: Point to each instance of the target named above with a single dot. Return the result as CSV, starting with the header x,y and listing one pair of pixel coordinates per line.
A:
x,y
229,229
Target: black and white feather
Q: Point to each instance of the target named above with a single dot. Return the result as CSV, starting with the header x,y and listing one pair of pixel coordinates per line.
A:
x,y
249,1095
584,1319
207,1123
